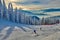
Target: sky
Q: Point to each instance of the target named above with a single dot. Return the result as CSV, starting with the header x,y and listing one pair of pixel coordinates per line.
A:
x,y
34,4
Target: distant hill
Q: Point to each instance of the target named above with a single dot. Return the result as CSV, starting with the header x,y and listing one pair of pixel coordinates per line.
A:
x,y
55,17
51,10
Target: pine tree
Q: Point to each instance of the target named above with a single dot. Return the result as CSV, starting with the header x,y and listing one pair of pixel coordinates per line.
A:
x,y
10,12
0,9
4,10
16,15
43,21
20,15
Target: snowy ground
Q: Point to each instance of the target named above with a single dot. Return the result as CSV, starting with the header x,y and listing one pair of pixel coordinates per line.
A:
x,y
13,31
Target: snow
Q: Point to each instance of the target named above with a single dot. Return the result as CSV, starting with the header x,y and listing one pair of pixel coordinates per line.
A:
x,y
14,31
17,27
55,36
6,28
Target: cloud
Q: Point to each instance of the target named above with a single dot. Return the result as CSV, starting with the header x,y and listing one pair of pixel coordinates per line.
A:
x,y
28,3
52,10
35,2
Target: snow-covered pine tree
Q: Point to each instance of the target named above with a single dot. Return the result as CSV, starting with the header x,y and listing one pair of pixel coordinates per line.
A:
x,y
20,15
16,15
43,21
4,10
0,9
10,12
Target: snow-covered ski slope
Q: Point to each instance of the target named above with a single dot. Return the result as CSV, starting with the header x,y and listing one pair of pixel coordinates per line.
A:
x,y
15,31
